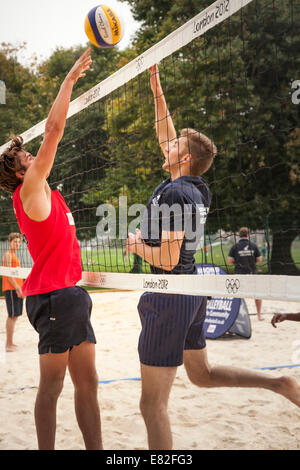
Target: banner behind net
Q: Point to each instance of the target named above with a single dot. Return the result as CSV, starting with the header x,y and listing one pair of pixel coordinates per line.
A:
x,y
232,79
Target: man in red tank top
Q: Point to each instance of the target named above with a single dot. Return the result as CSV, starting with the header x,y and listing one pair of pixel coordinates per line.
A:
x,y
57,308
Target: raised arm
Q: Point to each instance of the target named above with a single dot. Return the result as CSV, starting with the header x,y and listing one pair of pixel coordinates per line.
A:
x,y
37,173
35,193
280,317
165,129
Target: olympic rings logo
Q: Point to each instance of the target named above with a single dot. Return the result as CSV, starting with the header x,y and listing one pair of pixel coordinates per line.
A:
x,y
232,285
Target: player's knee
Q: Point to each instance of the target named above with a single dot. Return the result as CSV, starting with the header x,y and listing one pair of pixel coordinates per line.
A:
x,y
201,378
145,405
93,381
52,388
87,384
198,369
151,406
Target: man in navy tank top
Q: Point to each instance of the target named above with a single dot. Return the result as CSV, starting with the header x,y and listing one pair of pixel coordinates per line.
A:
x,y
172,324
57,308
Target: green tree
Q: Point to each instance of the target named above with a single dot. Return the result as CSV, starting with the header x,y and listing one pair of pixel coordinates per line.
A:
x,y
20,111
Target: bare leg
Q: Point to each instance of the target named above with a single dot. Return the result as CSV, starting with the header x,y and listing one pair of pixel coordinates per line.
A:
x,y
52,369
258,303
10,328
84,376
202,374
156,386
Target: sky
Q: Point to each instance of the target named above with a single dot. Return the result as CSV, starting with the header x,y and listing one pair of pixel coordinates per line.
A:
x,y
47,24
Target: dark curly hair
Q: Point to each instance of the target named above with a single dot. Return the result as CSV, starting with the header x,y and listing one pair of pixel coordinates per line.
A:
x,y
10,163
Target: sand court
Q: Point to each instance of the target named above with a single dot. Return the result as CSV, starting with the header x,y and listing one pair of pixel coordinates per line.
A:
x,y
229,419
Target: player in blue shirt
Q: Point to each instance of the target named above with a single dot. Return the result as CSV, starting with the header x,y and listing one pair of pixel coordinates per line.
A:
x,y
172,324
244,255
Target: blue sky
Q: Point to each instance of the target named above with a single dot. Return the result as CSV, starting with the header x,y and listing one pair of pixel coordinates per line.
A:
x,y
47,24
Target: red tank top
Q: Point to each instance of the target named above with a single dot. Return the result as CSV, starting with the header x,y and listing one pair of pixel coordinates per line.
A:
x,y
53,246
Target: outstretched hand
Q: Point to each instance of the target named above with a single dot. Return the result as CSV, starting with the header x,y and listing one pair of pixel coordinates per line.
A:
x,y
80,66
278,318
155,81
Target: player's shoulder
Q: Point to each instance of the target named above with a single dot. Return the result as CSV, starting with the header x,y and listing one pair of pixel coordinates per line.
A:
x,y
6,256
233,248
166,189
161,187
252,245
173,193
16,193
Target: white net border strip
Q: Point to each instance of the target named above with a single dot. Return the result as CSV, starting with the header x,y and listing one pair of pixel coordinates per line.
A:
x,y
282,288
197,26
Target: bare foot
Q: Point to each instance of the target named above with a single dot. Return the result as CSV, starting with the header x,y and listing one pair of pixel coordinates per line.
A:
x,y
260,318
11,348
289,388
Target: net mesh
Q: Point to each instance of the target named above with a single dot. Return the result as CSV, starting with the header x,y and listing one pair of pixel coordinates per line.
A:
x,y
233,84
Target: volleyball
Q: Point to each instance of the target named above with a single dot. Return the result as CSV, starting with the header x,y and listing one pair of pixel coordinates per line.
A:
x,y
103,26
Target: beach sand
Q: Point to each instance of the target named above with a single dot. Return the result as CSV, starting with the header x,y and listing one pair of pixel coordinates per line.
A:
x,y
215,419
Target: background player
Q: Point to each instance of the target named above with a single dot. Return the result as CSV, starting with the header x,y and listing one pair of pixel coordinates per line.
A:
x,y
245,255
12,288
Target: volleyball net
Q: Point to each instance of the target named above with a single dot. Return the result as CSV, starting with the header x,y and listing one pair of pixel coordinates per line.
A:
x,y
229,73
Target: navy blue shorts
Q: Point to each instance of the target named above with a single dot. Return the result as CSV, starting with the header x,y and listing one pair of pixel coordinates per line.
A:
x,y
62,318
14,304
171,323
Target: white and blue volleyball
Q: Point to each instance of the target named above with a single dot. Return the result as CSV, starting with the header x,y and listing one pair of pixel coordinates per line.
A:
x,y
103,26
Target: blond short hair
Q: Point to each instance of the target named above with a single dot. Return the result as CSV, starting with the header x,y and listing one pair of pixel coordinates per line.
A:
x,y
202,149
14,235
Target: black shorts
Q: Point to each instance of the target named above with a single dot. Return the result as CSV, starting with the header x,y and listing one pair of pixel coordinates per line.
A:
x,y
14,304
171,323
62,319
